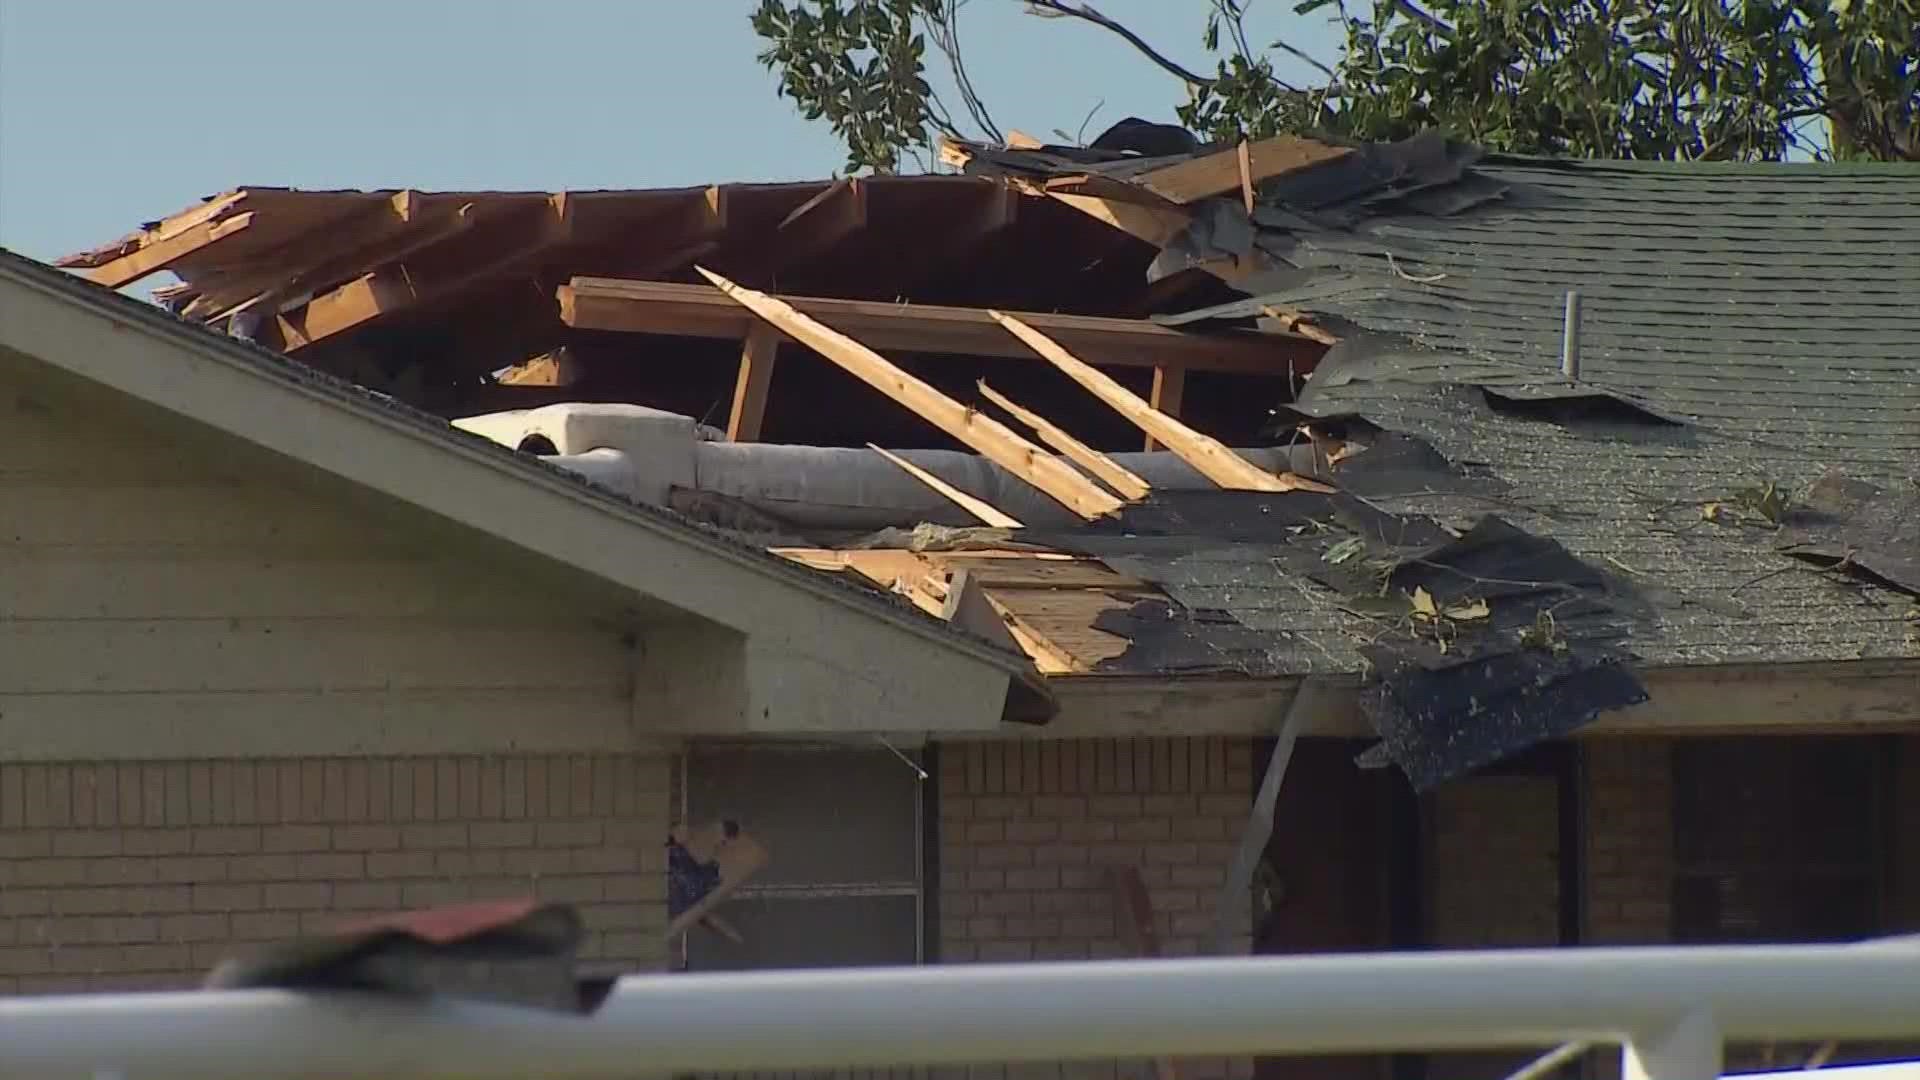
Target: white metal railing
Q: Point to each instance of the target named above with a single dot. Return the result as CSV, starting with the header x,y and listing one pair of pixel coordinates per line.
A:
x,y
1670,1009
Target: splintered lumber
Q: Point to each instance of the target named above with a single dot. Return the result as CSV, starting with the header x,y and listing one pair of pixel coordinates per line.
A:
x,y
1218,173
1104,468
160,255
1208,456
987,512
987,436
555,368
667,308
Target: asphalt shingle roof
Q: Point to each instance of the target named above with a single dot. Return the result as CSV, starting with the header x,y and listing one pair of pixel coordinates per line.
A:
x,y
1770,311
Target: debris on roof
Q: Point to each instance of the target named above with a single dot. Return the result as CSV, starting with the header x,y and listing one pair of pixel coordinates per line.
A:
x,y
1529,425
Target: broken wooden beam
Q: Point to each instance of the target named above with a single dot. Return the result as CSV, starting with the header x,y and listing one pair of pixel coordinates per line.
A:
x,y
155,257
988,513
1248,165
987,436
517,236
1103,468
1207,455
654,307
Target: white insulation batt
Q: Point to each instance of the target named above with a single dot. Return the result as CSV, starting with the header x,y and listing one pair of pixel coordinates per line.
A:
x,y
645,453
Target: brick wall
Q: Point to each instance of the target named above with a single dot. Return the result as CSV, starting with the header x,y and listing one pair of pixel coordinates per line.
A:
x,y
138,875
1629,837
1026,830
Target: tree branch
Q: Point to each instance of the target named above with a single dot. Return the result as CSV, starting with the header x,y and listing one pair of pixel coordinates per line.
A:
x,y
1087,13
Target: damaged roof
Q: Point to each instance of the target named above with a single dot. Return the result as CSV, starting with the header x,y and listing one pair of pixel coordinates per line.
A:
x,y
1744,330
1723,467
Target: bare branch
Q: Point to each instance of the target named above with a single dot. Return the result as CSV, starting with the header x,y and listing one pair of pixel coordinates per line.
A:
x,y
1087,13
944,29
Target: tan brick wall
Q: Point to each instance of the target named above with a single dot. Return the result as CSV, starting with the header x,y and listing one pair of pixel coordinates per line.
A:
x,y
1027,828
137,875
1629,838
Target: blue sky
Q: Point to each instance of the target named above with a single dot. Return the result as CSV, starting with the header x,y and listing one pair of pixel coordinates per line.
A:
x,y
114,112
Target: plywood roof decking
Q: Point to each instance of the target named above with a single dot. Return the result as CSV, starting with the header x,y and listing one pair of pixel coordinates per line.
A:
x,y
1051,600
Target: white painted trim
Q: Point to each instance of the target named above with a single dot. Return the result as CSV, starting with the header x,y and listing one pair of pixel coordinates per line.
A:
x,y
1671,1007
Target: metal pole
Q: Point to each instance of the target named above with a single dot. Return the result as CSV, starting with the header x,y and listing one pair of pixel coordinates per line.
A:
x,y
1570,339
999,1013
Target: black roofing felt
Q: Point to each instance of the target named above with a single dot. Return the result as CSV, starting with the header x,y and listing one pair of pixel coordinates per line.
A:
x,y
1748,392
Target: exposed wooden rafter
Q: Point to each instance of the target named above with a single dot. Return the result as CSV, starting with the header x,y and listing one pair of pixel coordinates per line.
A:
x,y
386,232
689,226
957,241
987,436
155,257
512,241
697,311
1207,455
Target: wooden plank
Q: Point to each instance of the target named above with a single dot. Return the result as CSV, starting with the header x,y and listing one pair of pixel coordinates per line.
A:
x,y
1155,225
1048,658
1037,573
393,230
512,242
555,368
220,206
1218,173
153,258
1207,455
757,357
987,436
654,307
1169,388
978,507
1110,473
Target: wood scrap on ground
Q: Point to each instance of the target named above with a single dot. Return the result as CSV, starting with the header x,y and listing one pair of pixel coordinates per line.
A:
x,y
1207,455
992,439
